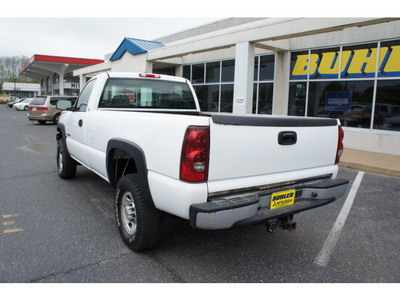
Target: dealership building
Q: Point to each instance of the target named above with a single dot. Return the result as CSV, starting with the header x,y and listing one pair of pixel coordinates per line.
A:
x,y
346,68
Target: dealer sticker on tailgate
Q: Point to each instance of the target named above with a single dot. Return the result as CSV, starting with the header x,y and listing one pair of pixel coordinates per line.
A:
x,y
281,199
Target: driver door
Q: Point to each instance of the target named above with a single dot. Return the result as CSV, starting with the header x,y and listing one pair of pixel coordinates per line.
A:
x,y
77,127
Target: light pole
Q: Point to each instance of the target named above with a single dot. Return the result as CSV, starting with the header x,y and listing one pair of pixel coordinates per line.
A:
x,y
15,88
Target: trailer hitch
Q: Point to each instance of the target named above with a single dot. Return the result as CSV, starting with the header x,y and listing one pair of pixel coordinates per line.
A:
x,y
284,223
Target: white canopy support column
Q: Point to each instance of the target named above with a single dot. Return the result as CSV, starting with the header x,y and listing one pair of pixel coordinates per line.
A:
x,y
61,84
82,82
61,74
244,78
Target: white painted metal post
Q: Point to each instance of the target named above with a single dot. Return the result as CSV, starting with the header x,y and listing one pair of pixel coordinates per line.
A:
x,y
244,78
61,83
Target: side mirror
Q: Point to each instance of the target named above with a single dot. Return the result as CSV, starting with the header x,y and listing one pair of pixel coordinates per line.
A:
x,y
64,104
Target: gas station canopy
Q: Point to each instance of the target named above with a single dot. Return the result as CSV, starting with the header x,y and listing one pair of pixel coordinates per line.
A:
x,y
45,68
41,66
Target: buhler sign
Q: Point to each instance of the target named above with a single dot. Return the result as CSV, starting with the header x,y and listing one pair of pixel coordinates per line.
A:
x,y
355,63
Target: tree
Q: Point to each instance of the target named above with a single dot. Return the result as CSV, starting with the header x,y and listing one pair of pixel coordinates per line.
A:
x,y
9,68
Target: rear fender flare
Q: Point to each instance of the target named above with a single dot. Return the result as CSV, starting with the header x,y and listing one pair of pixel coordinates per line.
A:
x,y
137,154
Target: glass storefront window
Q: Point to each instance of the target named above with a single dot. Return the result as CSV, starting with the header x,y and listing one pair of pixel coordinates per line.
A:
x,y
264,68
217,96
228,71
349,101
213,83
212,72
265,94
165,71
198,73
186,72
297,98
256,68
267,63
226,98
387,107
208,96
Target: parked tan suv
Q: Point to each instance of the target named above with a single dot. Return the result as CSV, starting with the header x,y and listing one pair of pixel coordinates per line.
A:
x,y
43,108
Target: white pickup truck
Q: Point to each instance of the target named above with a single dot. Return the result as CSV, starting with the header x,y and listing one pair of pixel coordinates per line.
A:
x,y
145,135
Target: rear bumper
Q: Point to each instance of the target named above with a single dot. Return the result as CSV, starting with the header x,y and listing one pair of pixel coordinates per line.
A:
x,y
40,117
253,207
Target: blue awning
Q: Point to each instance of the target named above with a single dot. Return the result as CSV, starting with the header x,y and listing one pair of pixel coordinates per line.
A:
x,y
135,46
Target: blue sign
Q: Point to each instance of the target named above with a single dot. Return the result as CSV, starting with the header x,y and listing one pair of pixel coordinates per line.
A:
x,y
338,101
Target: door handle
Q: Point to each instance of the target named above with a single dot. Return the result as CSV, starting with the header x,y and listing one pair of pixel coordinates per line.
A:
x,y
287,138
80,123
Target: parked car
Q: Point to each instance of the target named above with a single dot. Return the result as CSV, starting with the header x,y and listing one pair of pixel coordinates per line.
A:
x,y
43,108
12,102
23,105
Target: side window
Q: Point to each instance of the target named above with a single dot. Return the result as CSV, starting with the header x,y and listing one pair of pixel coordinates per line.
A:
x,y
83,99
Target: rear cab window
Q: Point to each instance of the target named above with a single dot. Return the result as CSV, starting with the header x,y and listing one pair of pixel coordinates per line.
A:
x,y
147,94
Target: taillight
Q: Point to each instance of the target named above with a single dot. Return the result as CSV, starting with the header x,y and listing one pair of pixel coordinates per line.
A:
x,y
195,154
339,151
38,108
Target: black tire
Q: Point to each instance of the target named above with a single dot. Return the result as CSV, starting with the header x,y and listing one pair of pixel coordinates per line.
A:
x,y
42,122
139,222
66,166
56,118
26,108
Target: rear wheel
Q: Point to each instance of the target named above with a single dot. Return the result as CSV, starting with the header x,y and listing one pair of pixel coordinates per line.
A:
x,y
139,222
42,122
66,166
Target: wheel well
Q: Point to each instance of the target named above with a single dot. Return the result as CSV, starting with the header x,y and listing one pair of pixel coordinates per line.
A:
x,y
120,163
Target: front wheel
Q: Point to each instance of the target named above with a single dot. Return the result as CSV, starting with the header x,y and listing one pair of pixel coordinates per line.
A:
x,y
56,118
66,166
139,222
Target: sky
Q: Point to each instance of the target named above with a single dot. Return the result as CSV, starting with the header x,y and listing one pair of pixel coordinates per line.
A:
x,y
94,28
83,37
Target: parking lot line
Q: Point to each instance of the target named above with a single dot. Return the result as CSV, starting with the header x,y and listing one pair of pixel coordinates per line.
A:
x,y
13,230
10,216
330,243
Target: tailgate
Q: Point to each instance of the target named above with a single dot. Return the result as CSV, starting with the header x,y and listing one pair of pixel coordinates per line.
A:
x,y
248,151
